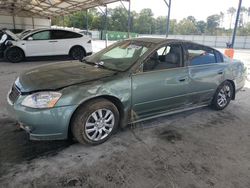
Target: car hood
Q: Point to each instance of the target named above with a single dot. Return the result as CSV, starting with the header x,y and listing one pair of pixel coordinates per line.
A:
x,y
59,75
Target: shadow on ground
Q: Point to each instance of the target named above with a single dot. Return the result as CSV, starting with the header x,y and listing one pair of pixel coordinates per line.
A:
x,y
16,148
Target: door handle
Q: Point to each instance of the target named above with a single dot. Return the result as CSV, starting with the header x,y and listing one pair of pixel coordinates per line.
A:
x,y
182,79
53,41
220,72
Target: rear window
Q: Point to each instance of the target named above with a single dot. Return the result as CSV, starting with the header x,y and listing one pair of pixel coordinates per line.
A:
x,y
218,57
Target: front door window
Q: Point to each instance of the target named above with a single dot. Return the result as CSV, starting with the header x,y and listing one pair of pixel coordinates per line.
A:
x,y
166,57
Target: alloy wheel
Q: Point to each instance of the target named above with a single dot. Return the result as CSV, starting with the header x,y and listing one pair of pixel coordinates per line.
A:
x,y
224,96
99,124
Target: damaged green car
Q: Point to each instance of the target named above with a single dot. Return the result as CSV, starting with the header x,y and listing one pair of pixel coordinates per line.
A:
x,y
130,81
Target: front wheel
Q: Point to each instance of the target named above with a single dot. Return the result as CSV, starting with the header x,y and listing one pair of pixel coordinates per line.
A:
x,y
14,55
223,96
95,122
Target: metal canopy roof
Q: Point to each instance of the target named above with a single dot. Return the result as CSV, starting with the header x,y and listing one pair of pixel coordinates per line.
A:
x,y
48,8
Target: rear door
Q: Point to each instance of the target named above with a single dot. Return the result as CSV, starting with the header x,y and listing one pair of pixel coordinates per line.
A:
x,y
63,41
38,44
161,84
206,71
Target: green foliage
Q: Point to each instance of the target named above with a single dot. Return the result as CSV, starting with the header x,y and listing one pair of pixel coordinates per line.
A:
x,y
245,31
145,23
213,22
186,27
201,27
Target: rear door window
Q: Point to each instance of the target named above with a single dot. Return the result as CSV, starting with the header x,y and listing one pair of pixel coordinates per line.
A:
x,y
199,55
60,34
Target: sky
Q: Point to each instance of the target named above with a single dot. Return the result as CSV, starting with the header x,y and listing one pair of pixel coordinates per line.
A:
x,y
200,9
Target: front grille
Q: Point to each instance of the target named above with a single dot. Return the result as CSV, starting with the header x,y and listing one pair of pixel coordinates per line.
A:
x,y
14,94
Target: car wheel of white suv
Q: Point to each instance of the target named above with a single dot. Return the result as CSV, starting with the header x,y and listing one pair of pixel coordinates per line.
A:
x,y
77,53
14,54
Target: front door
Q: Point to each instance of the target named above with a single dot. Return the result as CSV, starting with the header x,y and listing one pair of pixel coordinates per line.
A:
x,y
39,44
161,84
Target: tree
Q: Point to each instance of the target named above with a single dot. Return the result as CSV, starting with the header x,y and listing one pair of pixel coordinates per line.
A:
x,y
201,27
248,12
173,26
245,31
160,25
221,19
186,27
144,23
118,19
231,11
192,19
213,22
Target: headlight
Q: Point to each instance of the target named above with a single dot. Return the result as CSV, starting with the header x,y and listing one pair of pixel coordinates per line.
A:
x,y
42,99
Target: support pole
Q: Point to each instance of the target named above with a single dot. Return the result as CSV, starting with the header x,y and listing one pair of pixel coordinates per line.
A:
x,y
236,23
106,26
63,20
33,23
87,21
168,17
14,22
129,18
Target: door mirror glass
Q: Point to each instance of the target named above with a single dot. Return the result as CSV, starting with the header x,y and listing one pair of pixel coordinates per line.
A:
x,y
30,38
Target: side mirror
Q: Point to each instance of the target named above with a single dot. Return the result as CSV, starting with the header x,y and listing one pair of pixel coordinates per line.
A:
x,y
30,38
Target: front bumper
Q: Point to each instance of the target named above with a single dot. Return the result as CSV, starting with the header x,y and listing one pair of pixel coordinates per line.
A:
x,y
43,124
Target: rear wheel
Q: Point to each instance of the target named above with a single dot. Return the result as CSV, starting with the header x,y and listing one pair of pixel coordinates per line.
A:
x,y
223,96
77,53
95,122
14,55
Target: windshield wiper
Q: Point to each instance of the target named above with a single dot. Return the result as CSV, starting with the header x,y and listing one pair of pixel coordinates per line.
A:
x,y
98,65
88,62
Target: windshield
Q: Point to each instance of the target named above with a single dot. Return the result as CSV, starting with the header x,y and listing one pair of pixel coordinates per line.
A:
x,y
119,56
12,35
24,33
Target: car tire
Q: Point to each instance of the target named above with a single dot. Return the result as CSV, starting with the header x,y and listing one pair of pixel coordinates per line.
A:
x,y
14,55
94,122
223,96
77,53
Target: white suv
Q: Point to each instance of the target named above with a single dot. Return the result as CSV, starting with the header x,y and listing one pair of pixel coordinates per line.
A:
x,y
47,42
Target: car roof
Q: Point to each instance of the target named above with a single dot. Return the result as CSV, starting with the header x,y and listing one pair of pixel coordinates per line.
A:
x,y
158,40
44,29
166,40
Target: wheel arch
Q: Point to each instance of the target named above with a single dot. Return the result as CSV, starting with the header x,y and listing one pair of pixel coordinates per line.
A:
x,y
116,101
77,46
234,89
11,47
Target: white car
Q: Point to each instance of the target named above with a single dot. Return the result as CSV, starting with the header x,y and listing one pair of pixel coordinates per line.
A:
x,y
47,42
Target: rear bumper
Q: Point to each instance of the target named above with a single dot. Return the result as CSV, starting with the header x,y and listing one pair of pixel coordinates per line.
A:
x,y
43,124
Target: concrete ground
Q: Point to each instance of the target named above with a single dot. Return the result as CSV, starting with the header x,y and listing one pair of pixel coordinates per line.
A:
x,y
199,148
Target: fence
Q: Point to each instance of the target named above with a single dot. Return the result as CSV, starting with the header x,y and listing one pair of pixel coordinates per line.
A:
x,y
241,42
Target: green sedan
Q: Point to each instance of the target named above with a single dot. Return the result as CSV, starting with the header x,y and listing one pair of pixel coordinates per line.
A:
x,y
128,82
